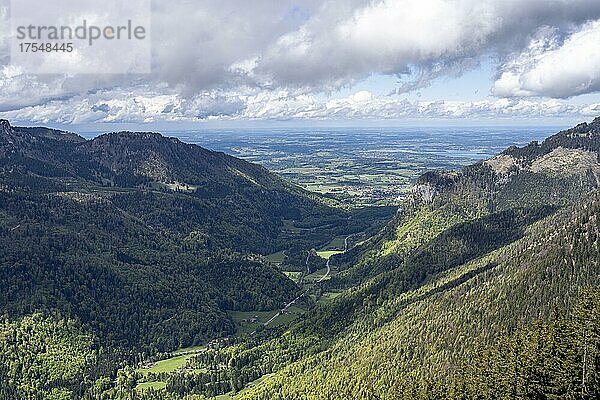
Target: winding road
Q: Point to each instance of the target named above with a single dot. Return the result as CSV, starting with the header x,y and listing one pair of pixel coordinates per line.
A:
x,y
307,269
329,259
284,309
288,305
327,272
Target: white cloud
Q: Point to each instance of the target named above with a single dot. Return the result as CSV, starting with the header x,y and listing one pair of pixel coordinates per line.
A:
x,y
393,37
550,68
274,59
154,106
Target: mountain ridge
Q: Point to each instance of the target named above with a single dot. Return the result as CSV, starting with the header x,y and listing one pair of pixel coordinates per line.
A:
x,y
158,167
433,282
473,259
144,239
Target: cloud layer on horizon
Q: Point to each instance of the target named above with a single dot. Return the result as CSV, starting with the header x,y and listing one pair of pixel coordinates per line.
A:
x,y
152,106
276,60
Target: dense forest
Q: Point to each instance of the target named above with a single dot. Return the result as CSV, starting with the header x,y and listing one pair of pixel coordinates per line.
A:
x,y
477,258
484,284
146,241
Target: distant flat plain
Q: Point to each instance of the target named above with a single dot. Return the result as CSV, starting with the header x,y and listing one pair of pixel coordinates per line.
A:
x,y
361,165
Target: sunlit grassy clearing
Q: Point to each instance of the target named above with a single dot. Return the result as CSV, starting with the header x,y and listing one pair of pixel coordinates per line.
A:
x,y
276,258
150,385
326,254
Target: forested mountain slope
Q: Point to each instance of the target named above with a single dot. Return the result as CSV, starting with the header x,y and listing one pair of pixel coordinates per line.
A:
x,y
473,256
46,357
557,172
146,240
405,343
485,283
215,198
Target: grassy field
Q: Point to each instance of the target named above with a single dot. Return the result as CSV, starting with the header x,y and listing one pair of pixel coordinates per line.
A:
x,y
315,276
293,275
174,363
242,324
292,313
328,253
337,243
328,297
178,361
150,385
168,365
194,349
275,258
262,317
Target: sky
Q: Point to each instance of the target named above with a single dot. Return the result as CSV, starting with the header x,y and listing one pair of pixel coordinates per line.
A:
x,y
238,63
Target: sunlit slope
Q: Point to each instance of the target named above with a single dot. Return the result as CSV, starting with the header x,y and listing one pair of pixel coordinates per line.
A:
x,y
470,257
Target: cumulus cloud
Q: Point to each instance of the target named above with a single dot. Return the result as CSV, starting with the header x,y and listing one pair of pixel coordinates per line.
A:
x,y
552,68
154,106
433,36
272,59
211,43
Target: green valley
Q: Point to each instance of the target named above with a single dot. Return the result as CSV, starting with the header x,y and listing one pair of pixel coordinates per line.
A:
x,y
166,271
